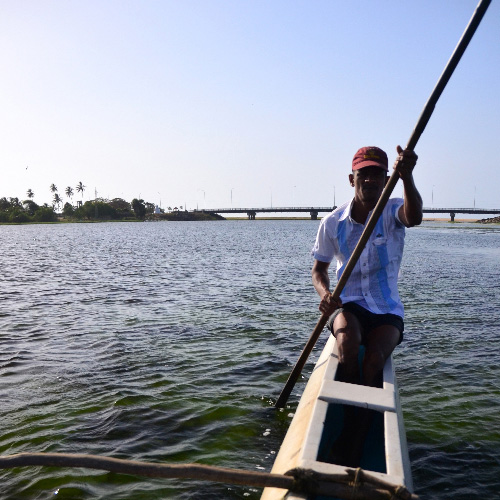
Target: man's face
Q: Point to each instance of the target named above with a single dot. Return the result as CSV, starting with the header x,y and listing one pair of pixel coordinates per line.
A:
x,y
368,182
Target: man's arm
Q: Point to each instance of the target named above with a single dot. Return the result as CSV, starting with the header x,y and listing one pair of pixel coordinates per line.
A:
x,y
321,282
410,214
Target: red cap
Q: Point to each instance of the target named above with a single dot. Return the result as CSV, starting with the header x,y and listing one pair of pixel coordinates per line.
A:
x,y
368,156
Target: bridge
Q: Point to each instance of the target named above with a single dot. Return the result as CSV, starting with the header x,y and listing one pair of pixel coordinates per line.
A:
x,y
315,211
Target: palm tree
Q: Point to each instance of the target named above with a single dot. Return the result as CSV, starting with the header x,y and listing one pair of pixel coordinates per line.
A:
x,y
30,194
57,200
53,188
80,188
69,192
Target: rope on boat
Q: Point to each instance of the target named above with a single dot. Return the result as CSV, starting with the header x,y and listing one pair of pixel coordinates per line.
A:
x,y
397,491
356,485
368,487
356,481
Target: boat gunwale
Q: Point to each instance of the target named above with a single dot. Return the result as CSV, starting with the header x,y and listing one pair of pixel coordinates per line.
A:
x,y
301,444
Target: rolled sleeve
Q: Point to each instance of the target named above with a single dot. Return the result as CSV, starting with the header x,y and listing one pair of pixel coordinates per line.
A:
x,y
323,249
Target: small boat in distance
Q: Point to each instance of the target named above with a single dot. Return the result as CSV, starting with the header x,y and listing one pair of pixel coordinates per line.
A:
x,y
318,422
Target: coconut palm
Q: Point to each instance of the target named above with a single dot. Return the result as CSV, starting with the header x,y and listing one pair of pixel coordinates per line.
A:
x,y
30,194
57,200
69,192
53,188
80,188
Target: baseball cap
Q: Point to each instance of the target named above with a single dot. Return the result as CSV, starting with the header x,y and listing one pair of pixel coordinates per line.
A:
x,y
370,155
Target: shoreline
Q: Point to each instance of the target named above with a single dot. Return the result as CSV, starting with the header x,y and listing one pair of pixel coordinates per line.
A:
x,y
493,221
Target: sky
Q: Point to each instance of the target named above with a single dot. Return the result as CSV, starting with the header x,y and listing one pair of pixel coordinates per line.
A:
x,y
233,103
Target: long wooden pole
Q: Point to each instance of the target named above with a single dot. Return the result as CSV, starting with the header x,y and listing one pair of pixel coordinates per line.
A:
x,y
299,480
384,197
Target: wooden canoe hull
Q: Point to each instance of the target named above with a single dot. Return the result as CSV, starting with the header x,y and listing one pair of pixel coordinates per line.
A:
x,y
305,439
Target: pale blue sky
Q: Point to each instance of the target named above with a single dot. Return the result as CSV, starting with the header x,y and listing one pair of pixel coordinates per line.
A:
x,y
197,101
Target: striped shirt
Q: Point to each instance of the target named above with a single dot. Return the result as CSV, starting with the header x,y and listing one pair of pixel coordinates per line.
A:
x,y
373,283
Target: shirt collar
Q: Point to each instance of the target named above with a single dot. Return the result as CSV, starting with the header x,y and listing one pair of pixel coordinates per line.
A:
x,y
347,213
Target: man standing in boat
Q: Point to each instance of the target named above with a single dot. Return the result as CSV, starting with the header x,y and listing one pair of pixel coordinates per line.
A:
x,y
369,311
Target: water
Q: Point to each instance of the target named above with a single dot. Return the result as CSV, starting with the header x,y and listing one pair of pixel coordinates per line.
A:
x,y
170,342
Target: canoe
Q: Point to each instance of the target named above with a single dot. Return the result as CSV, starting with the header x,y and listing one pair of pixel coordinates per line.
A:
x,y
317,423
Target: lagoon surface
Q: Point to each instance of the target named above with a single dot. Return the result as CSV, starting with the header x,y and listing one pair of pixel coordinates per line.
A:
x,y
170,342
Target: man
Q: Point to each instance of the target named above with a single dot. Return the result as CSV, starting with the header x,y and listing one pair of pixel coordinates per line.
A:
x,y
369,312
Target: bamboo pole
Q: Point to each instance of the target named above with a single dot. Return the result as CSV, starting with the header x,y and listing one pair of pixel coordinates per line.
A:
x,y
364,486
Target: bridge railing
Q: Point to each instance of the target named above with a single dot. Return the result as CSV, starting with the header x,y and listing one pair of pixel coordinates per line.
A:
x,y
457,210
314,211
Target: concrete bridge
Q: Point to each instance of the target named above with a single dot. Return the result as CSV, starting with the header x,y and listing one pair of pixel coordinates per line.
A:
x,y
314,211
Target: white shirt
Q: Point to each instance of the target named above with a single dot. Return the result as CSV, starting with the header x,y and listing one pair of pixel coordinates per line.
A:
x,y
373,283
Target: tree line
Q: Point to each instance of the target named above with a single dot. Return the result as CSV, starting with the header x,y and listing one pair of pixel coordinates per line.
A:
x,y
16,211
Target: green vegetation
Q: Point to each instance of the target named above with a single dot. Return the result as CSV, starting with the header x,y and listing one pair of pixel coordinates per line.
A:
x,y
187,216
14,211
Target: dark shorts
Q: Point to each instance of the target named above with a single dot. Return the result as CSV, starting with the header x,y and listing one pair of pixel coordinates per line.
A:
x,y
369,320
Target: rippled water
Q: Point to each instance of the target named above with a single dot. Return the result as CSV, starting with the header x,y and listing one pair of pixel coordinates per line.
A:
x,y
169,342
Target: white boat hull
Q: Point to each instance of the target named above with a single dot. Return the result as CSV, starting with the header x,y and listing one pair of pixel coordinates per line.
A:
x,y
302,443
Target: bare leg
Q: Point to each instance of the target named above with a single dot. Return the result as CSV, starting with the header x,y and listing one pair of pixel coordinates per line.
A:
x,y
347,331
380,343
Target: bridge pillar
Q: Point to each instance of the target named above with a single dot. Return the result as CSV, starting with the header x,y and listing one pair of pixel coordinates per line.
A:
x,y
314,215
251,214
452,216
